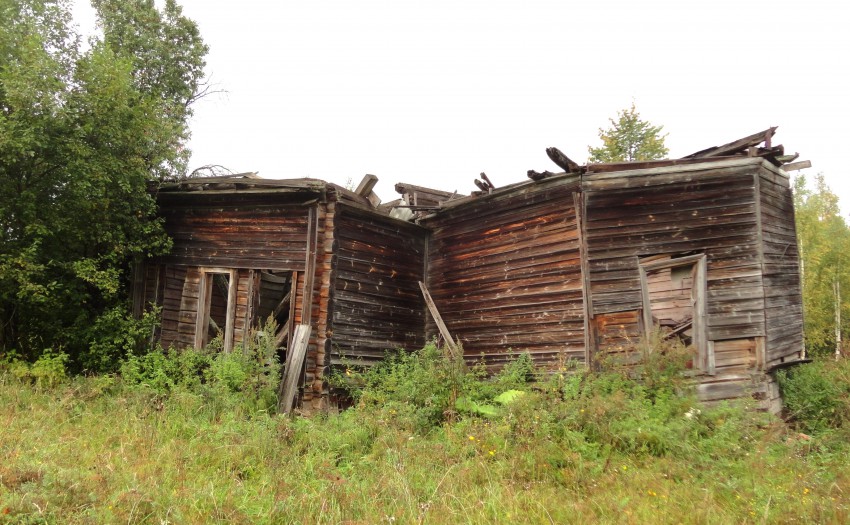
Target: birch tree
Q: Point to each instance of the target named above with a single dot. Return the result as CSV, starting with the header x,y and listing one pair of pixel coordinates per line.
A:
x,y
824,239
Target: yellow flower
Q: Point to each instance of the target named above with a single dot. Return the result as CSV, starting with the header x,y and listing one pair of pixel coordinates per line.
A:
x,y
472,438
806,490
492,452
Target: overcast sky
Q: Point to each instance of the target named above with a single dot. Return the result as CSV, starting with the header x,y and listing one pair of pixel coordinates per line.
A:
x,y
433,93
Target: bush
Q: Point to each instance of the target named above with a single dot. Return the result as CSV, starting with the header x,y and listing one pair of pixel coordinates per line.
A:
x,y
47,371
817,395
251,370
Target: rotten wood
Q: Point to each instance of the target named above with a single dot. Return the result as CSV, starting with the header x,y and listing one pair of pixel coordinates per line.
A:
x,y
366,185
803,164
292,371
487,180
563,162
735,146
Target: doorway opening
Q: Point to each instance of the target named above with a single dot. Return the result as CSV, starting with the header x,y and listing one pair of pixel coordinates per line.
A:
x,y
275,300
674,295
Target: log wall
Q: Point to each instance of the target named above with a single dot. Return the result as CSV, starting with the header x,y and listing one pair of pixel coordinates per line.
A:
x,y
505,274
378,305
709,208
782,289
235,232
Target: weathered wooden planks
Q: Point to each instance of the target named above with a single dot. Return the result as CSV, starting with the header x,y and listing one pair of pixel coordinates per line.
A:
x,y
257,234
780,266
506,272
711,210
378,305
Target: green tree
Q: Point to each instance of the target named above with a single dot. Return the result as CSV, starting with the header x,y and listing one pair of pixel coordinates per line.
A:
x,y
629,138
167,55
82,139
824,242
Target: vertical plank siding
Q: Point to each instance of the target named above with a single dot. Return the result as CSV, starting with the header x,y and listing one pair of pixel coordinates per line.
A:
x,y
505,273
781,269
377,302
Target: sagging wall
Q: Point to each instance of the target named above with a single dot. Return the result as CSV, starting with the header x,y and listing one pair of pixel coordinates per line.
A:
x,y
738,215
783,299
242,235
377,303
505,273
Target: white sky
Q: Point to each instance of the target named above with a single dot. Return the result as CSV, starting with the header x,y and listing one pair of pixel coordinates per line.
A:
x,y
433,93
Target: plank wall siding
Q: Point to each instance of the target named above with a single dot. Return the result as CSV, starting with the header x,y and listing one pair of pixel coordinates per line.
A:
x,y
505,274
235,233
782,293
378,305
710,210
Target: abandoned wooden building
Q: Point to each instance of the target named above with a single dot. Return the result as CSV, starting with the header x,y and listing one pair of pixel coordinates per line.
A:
x,y
564,266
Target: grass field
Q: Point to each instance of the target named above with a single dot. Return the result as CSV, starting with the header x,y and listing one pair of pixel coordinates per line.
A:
x,y
574,449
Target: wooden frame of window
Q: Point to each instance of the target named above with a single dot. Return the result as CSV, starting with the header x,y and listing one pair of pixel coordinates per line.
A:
x,y
204,302
705,354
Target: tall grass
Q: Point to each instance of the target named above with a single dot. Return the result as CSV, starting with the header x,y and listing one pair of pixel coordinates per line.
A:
x,y
574,447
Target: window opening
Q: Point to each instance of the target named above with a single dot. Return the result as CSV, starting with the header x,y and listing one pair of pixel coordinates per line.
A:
x,y
216,308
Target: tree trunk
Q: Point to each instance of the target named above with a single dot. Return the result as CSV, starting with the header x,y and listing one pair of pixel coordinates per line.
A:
x,y
836,286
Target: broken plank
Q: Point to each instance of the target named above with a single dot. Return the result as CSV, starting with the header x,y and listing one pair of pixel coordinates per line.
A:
x,y
294,362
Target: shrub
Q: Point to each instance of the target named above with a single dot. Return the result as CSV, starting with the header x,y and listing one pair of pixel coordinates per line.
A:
x,y
817,395
251,370
47,371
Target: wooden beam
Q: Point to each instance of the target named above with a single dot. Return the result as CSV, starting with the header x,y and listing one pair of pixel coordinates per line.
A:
x,y
487,180
366,185
310,264
364,189
280,306
230,318
562,160
294,362
736,146
451,346
803,164
282,335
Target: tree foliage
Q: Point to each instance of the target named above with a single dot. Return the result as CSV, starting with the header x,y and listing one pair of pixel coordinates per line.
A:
x,y
83,133
629,138
824,240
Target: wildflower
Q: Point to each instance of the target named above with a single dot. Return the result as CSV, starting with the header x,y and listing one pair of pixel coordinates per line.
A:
x,y
348,371
472,438
806,490
492,452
